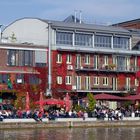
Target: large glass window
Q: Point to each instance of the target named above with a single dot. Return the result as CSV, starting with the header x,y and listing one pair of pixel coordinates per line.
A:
x,y
121,42
102,41
83,39
63,38
20,58
28,56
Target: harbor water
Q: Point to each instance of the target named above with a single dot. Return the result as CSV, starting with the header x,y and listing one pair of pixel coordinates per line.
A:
x,y
111,133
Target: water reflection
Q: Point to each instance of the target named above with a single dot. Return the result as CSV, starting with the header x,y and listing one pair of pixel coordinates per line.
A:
x,y
72,134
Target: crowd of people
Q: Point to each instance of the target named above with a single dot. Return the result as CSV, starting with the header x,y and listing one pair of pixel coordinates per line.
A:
x,y
52,114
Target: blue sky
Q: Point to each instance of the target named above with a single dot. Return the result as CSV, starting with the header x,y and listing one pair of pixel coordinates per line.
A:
x,y
93,11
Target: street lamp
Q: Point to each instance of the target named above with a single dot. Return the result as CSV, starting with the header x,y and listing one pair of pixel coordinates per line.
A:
x,y
1,32
49,91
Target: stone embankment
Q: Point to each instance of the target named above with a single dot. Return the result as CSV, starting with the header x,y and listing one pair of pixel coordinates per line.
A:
x,y
68,123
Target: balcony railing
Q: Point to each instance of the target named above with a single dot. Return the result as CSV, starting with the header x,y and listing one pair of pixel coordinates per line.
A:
x,y
131,90
29,70
108,68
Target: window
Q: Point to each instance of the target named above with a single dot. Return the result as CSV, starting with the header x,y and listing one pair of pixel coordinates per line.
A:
x,y
127,63
12,57
33,79
127,83
78,61
4,78
87,83
105,60
59,58
105,81
120,63
20,78
40,64
78,82
28,58
40,58
63,38
115,83
87,59
59,80
68,80
69,58
136,82
96,80
83,39
102,41
121,42
96,61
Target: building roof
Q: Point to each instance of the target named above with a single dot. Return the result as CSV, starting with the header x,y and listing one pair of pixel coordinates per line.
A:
x,y
128,22
72,19
69,23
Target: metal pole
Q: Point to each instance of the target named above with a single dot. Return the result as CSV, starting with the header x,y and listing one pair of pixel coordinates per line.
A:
x,y
1,33
49,92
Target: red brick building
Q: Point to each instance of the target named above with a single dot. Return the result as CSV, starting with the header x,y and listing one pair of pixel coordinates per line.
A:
x,y
84,58
131,24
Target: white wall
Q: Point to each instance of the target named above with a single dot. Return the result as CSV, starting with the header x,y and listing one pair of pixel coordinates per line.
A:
x,y
27,30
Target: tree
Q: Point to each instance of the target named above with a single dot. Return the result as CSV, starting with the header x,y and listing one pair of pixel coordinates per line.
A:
x,y
92,102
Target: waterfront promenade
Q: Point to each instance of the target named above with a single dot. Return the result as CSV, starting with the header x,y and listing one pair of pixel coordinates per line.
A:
x,y
68,123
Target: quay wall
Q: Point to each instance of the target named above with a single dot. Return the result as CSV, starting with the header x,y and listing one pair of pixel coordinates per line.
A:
x,y
66,123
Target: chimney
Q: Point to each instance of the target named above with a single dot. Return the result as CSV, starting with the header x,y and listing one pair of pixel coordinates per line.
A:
x,y
75,14
80,18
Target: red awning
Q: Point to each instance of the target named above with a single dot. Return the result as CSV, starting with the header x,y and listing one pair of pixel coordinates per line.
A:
x,y
104,96
133,97
138,74
51,101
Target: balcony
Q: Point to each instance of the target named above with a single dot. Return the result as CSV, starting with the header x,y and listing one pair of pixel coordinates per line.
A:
x,y
103,90
107,68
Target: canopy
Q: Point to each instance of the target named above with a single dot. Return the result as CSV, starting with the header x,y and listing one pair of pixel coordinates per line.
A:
x,y
51,101
133,97
104,96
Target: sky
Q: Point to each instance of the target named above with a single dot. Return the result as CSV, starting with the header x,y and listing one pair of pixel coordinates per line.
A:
x,y
93,11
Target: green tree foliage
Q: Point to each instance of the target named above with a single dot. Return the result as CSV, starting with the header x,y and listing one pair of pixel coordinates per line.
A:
x,y
92,102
